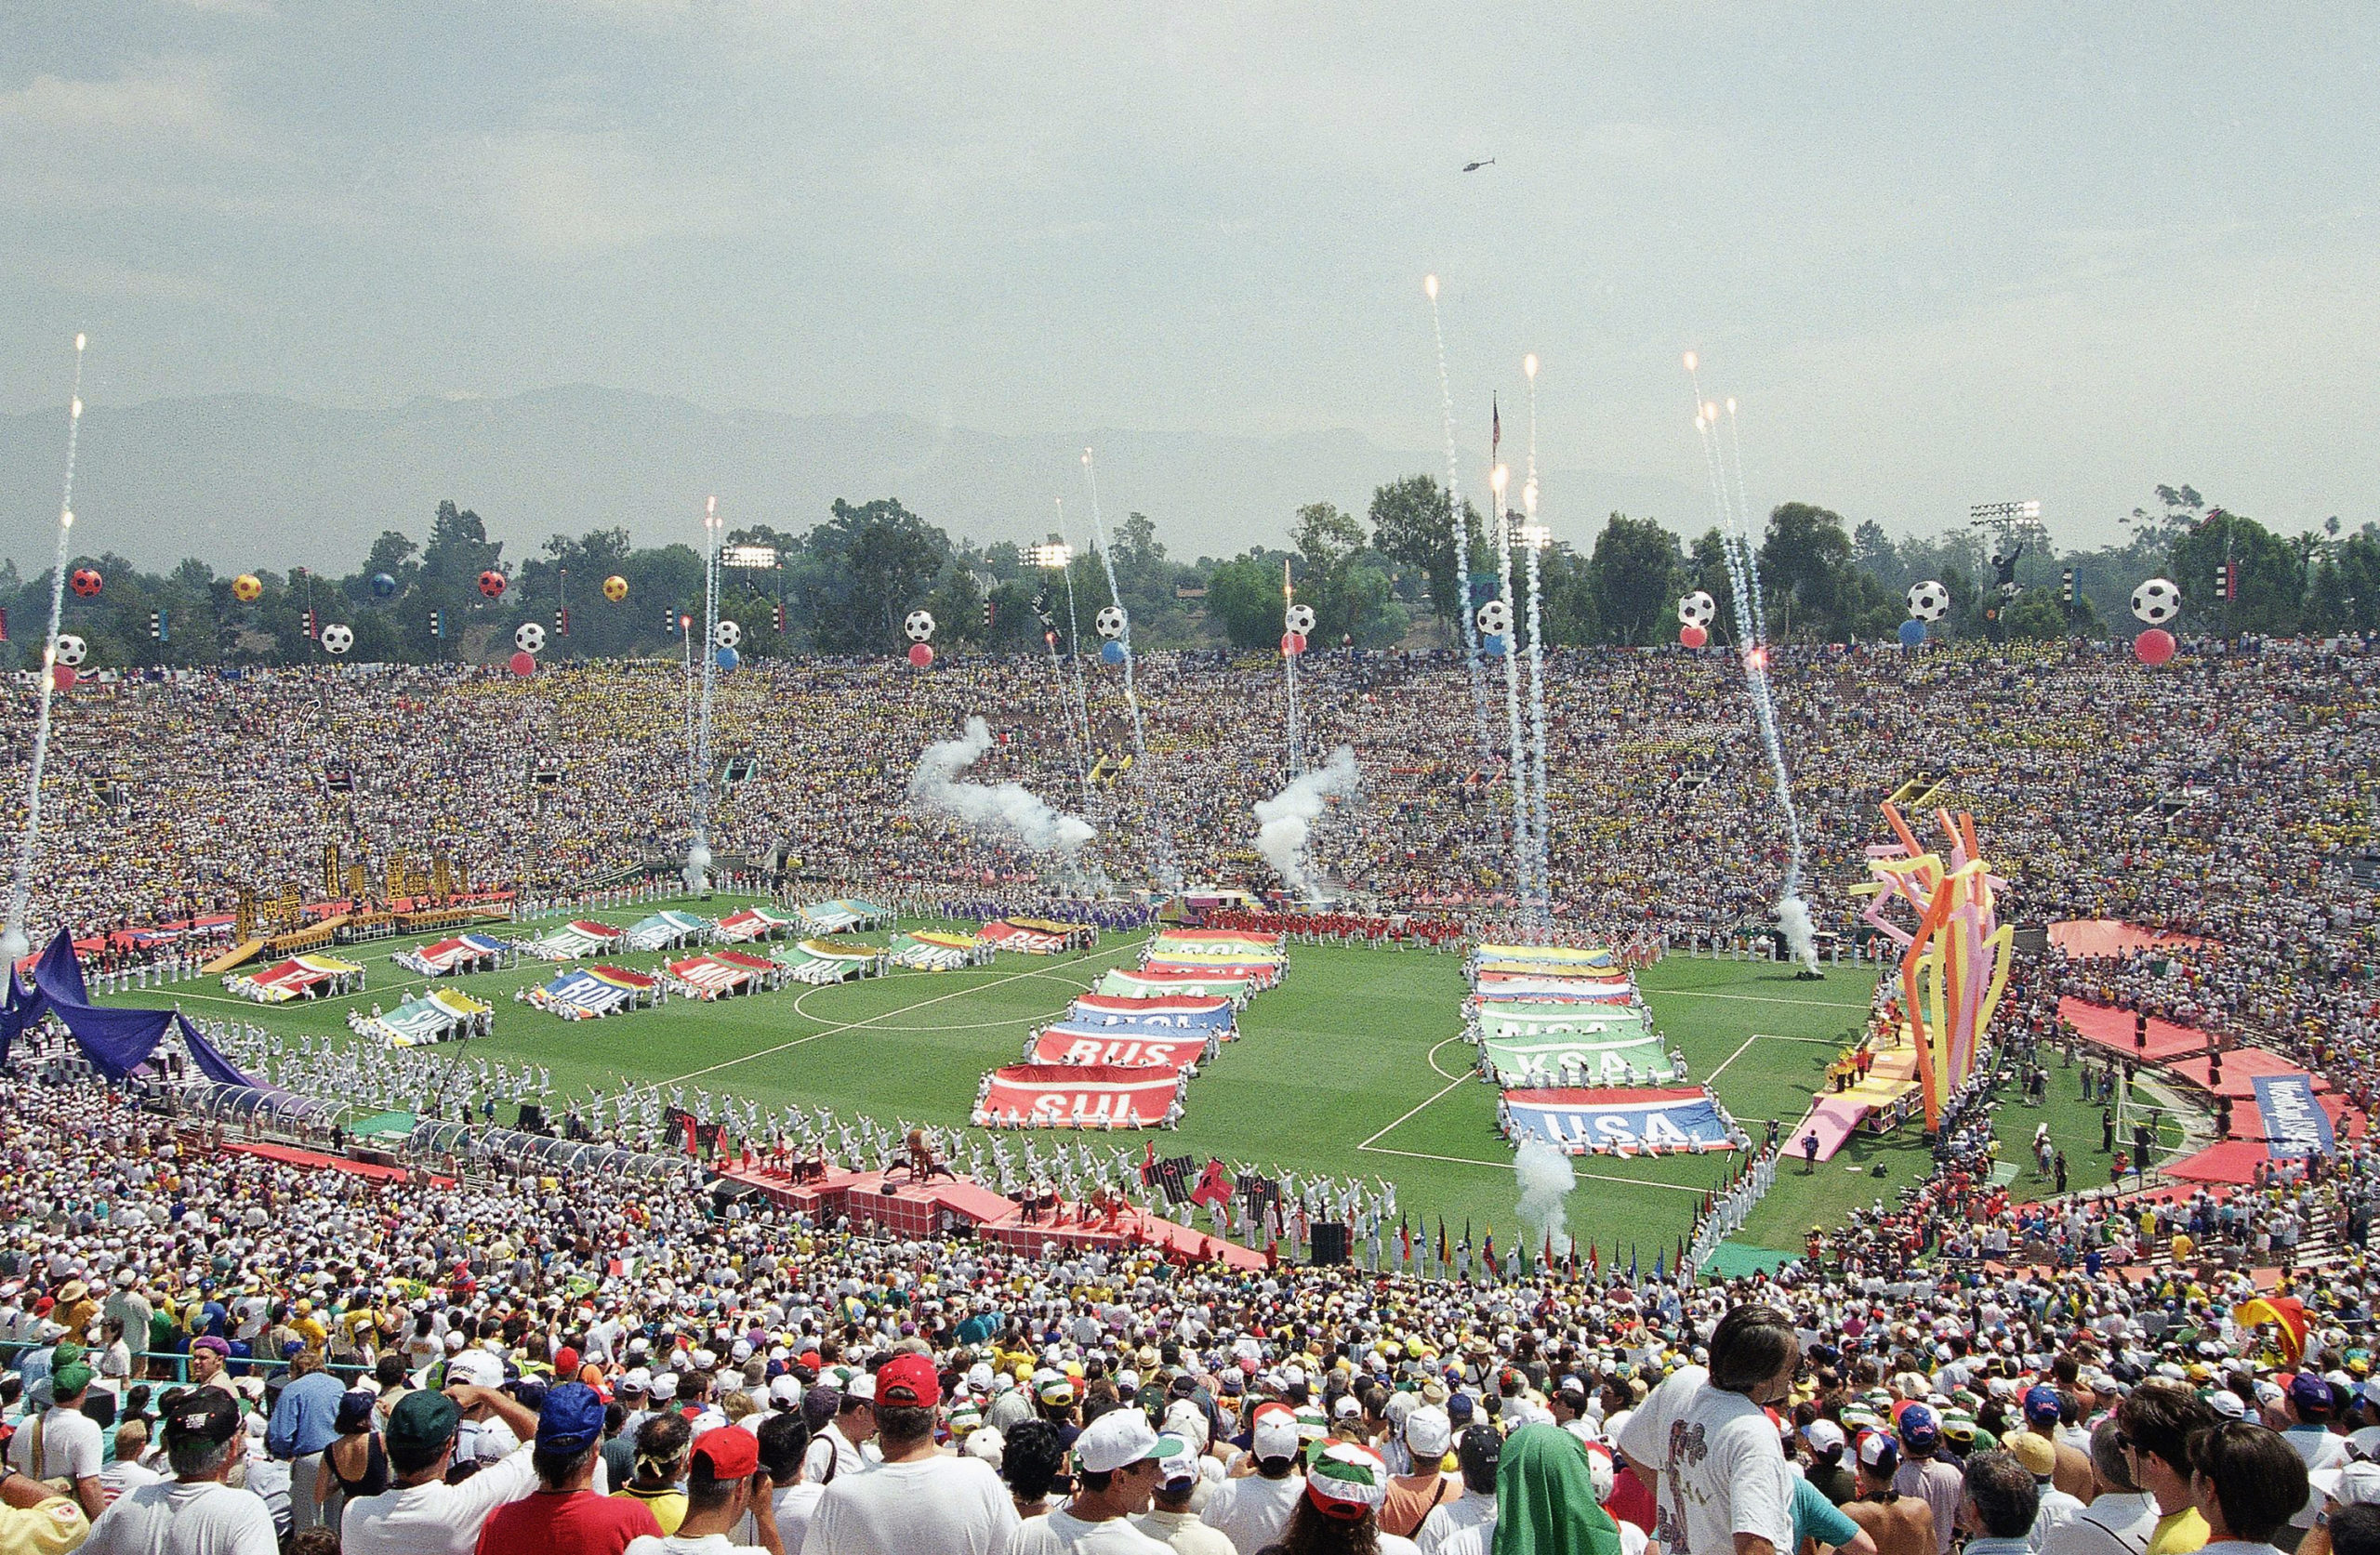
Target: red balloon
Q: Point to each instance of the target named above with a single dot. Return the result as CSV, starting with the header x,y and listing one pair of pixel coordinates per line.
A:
x,y
524,664
85,582
491,584
2154,645
1293,644
62,677
1692,636
921,654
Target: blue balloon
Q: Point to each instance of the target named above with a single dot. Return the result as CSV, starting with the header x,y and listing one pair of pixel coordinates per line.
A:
x,y
1111,652
1913,632
383,585
729,658
1492,645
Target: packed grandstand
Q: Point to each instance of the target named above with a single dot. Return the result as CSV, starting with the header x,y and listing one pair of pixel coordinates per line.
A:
x,y
255,1343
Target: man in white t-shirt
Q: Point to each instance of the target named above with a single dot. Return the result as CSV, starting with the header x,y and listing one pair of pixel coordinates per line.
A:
x,y
1721,1485
69,1444
420,1513
195,1510
1118,1455
916,1502
1252,1511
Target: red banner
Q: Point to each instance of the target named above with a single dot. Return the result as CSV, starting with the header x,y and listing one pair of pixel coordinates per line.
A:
x,y
1057,1044
1076,1096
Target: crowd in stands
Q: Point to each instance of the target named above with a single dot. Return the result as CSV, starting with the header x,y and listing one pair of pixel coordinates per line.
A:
x,y
220,1352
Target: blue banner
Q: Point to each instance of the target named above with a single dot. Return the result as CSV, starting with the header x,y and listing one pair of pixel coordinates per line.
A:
x,y
2295,1122
1621,1121
1152,1023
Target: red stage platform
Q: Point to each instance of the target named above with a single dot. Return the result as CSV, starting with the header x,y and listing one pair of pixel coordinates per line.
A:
x,y
2111,1029
964,1207
2241,1068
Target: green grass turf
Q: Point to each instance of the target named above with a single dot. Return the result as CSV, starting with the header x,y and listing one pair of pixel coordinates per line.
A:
x,y
1352,1066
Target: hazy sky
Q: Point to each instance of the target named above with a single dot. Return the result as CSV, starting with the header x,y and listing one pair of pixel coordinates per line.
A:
x,y
1943,252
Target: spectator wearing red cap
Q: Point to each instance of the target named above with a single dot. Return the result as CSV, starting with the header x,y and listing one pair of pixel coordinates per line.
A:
x,y
566,1516
916,1502
724,1484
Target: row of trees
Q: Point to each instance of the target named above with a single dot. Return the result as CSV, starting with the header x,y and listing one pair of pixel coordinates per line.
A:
x,y
1399,573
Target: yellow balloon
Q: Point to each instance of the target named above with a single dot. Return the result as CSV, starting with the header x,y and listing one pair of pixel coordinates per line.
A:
x,y
616,588
247,588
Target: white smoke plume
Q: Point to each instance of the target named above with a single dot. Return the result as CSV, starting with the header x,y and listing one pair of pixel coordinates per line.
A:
x,y
1004,807
1287,818
1547,1177
1800,934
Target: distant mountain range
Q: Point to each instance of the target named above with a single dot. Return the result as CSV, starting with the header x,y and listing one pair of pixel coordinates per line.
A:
x,y
251,479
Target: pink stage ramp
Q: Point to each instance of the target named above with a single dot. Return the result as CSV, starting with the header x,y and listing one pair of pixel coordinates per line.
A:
x,y
2241,1067
1831,1118
2111,1029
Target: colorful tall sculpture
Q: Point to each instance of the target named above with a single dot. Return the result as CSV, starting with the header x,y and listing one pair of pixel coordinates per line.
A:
x,y
1954,965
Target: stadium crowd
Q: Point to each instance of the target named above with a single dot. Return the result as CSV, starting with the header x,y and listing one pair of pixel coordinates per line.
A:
x,y
338,1362
209,1351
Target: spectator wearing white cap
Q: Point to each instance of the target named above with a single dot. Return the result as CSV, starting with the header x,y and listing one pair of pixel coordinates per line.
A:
x,y
1252,1510
1413,1497
2352,1484
1171,1519
1118,1457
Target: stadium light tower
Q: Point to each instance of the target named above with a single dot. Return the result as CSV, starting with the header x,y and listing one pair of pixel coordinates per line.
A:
x,y
1052,558
698,849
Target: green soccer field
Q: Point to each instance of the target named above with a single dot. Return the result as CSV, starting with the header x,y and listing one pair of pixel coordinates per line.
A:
x,y
1352,1066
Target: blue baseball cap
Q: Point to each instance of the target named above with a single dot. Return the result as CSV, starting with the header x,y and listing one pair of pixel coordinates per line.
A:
x,y
2042,1405
571,1421
1919,1429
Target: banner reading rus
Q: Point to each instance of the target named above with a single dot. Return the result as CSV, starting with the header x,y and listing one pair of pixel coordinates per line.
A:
x,y
2295,1122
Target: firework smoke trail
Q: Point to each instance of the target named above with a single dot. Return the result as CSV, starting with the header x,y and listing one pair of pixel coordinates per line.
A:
x,y
1462,527
1744,578
1524,850
1743,522
1161,833
1081,711
14,941
1537,667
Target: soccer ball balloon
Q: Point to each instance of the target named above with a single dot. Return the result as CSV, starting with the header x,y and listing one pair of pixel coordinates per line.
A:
x,y
1110,621
337,639
919,625
1928,601
247,588
86,582
1495,618
529,637
1299,619
727,634
2157,601
616,588
491,584
72,650
1697,608
383,585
